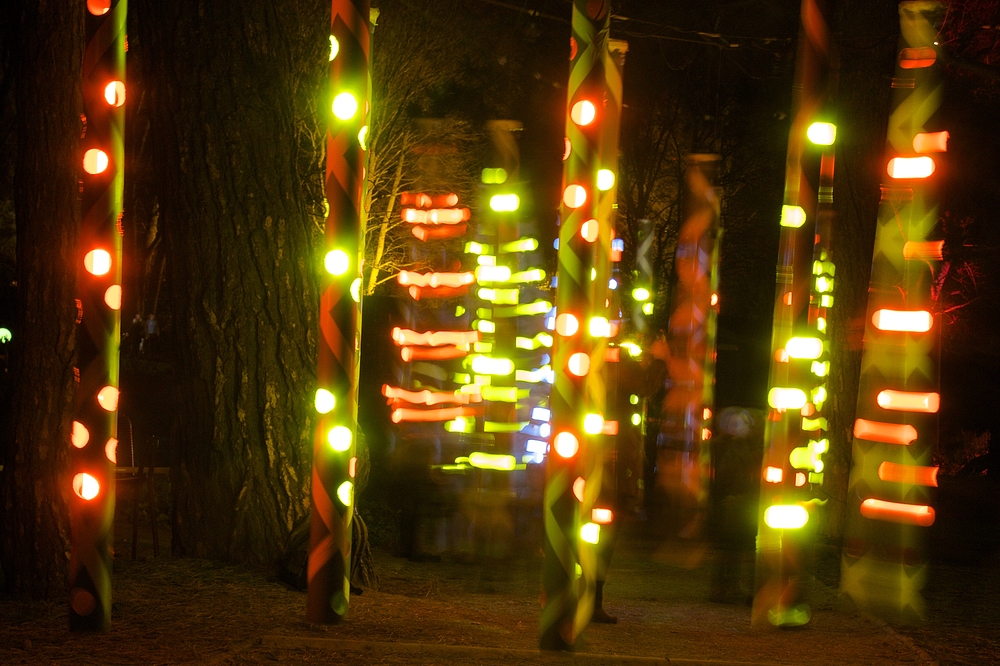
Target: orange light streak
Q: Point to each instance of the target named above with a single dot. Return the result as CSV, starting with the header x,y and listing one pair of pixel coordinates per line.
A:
x,y
609,428
908,514
926,250
435,279
889,433
427,397
401,414
909,401
416,293
912,474
405,336
906,168
434,216
432,353
438,232
421,200
931,142
905,321
917,58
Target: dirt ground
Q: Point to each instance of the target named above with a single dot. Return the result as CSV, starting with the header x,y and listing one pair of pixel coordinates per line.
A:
x,y
185,611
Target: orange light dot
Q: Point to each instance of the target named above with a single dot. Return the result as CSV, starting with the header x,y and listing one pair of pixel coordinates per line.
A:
x,y
98,7
97,262
95,161
773,474
566,444
602,516
113,297
589,230
579,364
715,299
578,488
80,435
800,479
108,398
111,450
706,414
114,93
787,298
567,324
583,112
706,434
567,148
352,467
574,196
85,486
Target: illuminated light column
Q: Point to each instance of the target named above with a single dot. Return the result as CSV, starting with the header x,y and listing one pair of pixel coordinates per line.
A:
x,y
575,427
339,318
99,267
781,545
685,453
889,494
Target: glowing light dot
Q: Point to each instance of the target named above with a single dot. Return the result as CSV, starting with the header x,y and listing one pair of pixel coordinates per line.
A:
x,y
786,398
504,203
599,327
605,179
583,113
80,435
782,517
910,167
363,138
114,93
593,424
108,398
792,216
822,134
97,262
578,487
567,324
340,438
345,106
95,161
602,516
640,294
345,493
352,467
5,335
579,364
111,450
567,149
714,300
647,309
574,196
334,47
325,401
113,297
337,262
566,444
636,419
98,7
808,348
590,533
589,230
85,486
356,290
773,474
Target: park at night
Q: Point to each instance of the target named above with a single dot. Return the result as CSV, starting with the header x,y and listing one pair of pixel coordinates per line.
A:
x,y
499,331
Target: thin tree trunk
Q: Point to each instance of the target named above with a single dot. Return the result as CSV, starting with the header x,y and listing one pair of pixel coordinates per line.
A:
x,y
863,104
35,513
386,219
227,84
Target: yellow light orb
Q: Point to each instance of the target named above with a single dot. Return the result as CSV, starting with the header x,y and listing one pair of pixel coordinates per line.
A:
x,y
97,262
566,444
85,486
107,397
583,113
334,47
340,438
605,179
337,262
345,493
345,106
114,93
822,134
574,196
593,424
95,161
325,401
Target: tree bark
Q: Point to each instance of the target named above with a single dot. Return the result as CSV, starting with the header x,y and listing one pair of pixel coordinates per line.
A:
x,y
35,480
867,33
229,83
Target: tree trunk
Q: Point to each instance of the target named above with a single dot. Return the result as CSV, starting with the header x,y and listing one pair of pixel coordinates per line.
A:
x,y
863,104
35,512
229,81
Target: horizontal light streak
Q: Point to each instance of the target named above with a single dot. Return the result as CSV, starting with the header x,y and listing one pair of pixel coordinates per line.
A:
x,y
889,433
427,397
909,401
906,321
401,414
435,279
897,512
433,353
913,474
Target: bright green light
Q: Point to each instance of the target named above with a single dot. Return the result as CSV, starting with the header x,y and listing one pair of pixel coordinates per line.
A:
x,y
593,424
636,419
472,247
505,203
634,350
492,461
541,340
785,516
826,301
820,369
340,438
633,399
809,348
5,335
640,294
647,309
461,424
356,290
485,365
334,47
500,393
821,324
325,402
363,137
532,275
824,284
484,326
482,347
822,134
605,179
492,273
593,274
337,262
523,245
345,106
792,216
459,310
345,493
786,398
486,260
590,533
499,296
599,327
494,176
